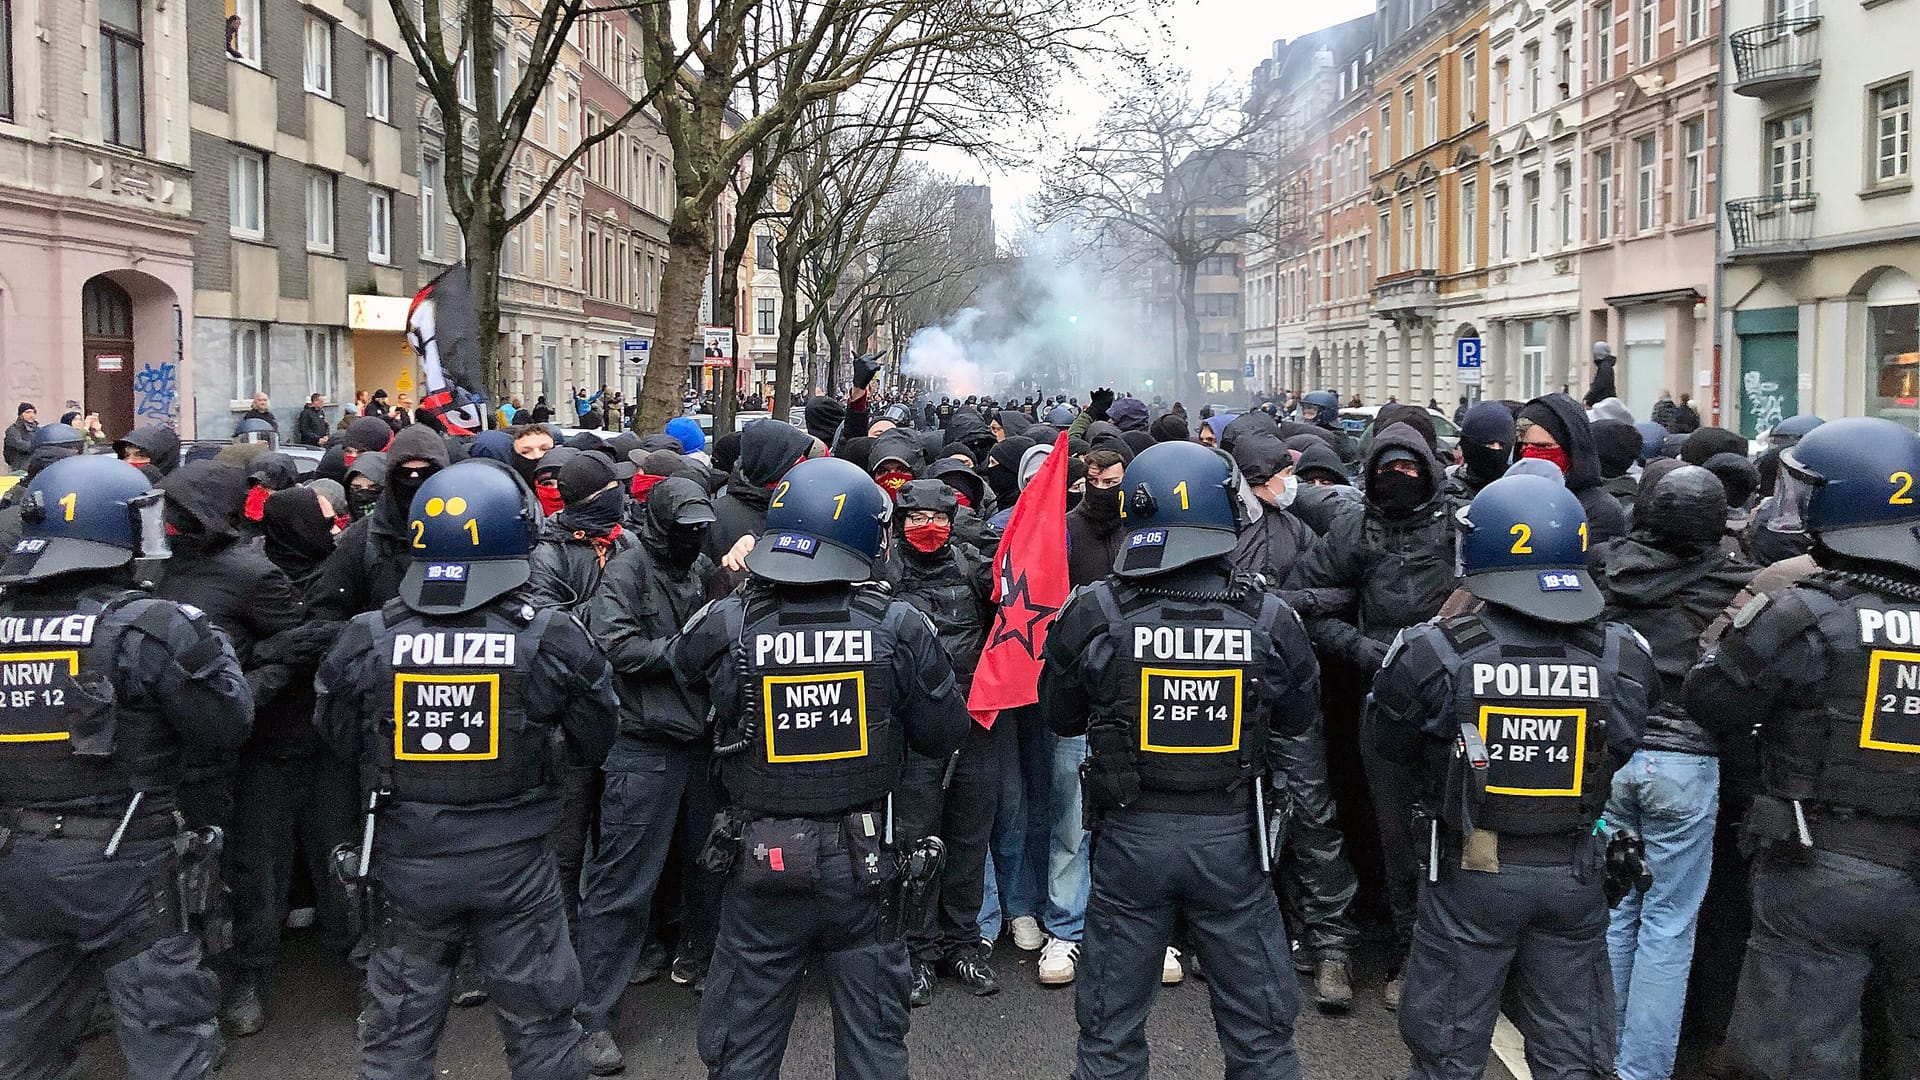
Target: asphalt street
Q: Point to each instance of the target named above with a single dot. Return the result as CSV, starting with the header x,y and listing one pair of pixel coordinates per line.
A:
x,y
1024,1031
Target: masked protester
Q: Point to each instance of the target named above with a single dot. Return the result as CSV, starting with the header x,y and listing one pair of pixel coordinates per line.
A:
x,y
956,799
659,774
768,448
365,479
581,534
365,569
1002,470
1486,449
1554,428
1397,556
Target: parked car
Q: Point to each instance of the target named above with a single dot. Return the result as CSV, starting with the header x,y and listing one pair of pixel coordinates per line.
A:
x,y
1359,423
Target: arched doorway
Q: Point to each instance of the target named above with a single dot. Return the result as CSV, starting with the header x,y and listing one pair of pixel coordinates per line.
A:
x,y
106,326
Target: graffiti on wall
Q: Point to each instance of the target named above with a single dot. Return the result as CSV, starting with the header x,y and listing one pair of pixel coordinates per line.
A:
x,y
156,393
1766,406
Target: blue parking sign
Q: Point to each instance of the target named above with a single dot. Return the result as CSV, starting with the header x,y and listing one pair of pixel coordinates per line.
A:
x,y
1466,360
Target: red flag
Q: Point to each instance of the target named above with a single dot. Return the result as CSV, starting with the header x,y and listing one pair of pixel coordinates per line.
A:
x,y
1029,585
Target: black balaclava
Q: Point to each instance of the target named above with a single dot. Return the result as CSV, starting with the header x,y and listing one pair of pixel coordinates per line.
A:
x,y
1487,422
298,537
1003,469
594,504
1395,493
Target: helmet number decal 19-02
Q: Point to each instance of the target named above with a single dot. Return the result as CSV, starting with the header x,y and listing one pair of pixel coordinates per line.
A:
x,y
446,717
33,695
1189,711
820,717
1534,751
1891,719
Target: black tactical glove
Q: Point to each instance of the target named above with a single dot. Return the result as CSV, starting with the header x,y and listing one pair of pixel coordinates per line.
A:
x,y
865,368
1099,403
1626,867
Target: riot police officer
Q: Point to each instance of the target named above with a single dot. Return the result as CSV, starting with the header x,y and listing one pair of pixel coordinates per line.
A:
x,y
820,684
108,687
462,705
1513,721
254,429
1321,408
1826,669
1187,678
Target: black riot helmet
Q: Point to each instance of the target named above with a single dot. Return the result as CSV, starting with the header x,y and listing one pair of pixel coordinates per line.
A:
x,y
58,435
1320,407
826,522
89,512
471,527
1850,482
255,430
1180,504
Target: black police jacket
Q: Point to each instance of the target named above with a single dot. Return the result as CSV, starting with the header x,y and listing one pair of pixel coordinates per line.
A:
x,y
1671,599
177,690
570,687
642,603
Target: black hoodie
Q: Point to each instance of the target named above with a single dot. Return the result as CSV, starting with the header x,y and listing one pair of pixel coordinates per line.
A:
x,y
160,443
768,448
1566,421
1400,565
968,428
243,593
365,569
642,602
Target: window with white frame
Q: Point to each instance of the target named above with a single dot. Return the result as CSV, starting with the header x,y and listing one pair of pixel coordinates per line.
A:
x,y
1499,107
463,75
1602,194
1563,198
1469,223
1790,154
1693,170
1409,139
249,341
1603,41
1502,221
1563,60
1469,86
243,37
323,360
1530,202
1892,136
1430,227
1430,115
317,72
379,225
501,70
247,195
1409,256
379,84
320,192
1534,77
1646,23
430,180
1646,183
1385,236
1695,25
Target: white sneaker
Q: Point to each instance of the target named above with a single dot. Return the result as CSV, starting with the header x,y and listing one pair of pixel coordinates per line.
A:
x,y
1171,973
1027,933
1057,962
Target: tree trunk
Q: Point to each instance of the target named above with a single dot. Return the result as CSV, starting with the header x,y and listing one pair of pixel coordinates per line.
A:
x,y
689,253
483,276
787,262
727,403
1189,375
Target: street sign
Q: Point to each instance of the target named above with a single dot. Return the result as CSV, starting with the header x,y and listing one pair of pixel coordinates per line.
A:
x,y
1466,360
635,345
1248,372
633,356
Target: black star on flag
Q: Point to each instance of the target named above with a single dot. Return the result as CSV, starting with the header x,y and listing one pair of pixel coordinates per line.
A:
x,y
1020,618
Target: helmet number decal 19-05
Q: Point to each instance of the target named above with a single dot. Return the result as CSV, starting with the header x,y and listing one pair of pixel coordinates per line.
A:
x,y
33,695
1902,490
1189,711
446,717
1891,719
1533,751
820,717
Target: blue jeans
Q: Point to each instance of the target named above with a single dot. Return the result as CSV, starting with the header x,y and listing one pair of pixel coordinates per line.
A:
x,y
1670,799
1068,878
1017,854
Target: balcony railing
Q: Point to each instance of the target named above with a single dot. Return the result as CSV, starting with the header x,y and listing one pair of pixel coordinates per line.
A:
x,y
1410,294
1770,226
1776,57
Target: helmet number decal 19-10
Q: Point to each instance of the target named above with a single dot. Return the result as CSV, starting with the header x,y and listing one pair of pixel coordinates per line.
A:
x,y
33,695
1891,719
820,717
446,717
1902,490
1188,711
1523,538
1533,751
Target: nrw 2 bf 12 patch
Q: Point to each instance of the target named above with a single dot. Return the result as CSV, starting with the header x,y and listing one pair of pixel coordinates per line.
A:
x,y
819,717
1891,720
1184,711
33,695
446,717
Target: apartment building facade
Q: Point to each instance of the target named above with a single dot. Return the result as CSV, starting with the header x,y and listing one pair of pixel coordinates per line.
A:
x,y
97,210
1821,248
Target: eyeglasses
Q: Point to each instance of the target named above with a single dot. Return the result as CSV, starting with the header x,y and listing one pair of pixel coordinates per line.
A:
x,y
925,517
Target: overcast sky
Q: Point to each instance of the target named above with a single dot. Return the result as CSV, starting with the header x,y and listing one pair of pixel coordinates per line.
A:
x,y
1215,39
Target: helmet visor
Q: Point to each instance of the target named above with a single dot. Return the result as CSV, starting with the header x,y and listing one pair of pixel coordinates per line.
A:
x,y
150,525
1791,491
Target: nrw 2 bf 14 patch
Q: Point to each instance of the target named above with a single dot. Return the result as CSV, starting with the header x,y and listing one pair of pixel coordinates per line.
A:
x,y
446,717
819,717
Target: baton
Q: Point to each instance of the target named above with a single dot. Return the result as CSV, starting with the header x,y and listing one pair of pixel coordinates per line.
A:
x,y
126,819
366,836
1260,827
